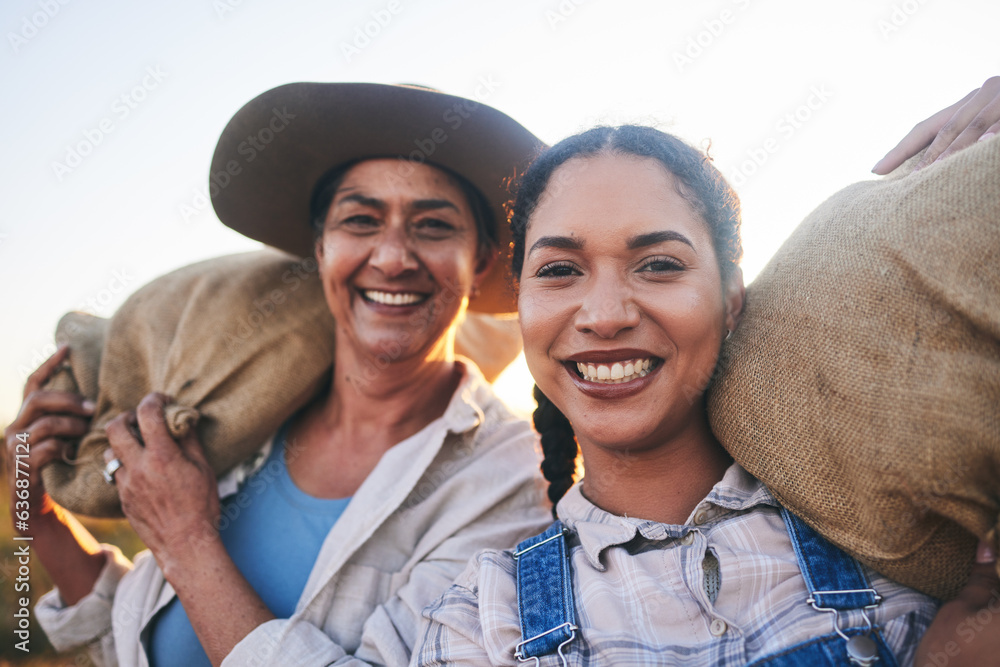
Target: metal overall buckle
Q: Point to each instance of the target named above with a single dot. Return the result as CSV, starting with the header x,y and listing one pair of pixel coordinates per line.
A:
x,y
861,649
519,649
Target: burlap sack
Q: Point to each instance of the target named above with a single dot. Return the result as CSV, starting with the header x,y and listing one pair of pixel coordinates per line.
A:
x,y
240,342
863,384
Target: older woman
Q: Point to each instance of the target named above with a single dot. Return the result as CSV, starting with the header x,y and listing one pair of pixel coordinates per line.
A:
x,y
391,479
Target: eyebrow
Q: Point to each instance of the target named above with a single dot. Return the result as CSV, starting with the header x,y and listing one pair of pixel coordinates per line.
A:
x,y
433,204
652,238
635,242
419,205
562,242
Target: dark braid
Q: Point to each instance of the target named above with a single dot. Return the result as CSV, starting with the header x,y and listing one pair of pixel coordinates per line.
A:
x,y
558,447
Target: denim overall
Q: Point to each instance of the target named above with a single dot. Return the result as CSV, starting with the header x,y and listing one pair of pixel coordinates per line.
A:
x,y
834,579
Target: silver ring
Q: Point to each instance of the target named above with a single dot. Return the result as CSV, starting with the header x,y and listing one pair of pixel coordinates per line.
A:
x,y
111,469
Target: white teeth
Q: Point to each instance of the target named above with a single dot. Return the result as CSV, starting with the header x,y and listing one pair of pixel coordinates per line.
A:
x,y
616,373
393,298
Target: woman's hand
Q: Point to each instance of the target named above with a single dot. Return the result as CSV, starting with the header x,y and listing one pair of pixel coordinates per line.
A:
x,y
167,489
964,632
40,434
169,494
973,118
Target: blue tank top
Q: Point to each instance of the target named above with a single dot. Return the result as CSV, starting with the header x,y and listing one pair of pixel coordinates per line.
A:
x,y
273,531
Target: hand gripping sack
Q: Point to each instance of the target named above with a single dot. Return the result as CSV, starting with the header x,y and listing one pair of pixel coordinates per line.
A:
x,y
863,384
240,342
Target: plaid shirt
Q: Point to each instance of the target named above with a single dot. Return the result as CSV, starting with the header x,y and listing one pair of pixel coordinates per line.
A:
x,y
468,479
723,589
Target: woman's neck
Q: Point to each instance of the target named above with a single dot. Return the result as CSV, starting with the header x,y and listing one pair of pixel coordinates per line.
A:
x,y
662,484
387,404
335,443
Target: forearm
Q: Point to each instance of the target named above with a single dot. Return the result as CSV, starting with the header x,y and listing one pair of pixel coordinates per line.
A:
x,y
222,606
68,552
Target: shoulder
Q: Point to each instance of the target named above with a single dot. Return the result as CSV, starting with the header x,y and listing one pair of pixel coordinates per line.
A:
x,y
477,617
904,614
494,426
485,571
480,392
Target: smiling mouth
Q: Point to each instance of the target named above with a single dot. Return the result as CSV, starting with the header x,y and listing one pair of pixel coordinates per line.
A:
x,y
393,298
617,372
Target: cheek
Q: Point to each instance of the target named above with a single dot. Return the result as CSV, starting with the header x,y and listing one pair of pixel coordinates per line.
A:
x,y
541,325
451,268
695,326
342,256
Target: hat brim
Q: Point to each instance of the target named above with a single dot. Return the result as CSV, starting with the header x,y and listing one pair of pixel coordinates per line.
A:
x,y
275,149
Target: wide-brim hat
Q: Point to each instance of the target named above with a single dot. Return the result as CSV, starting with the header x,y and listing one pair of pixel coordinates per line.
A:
x,y
275,149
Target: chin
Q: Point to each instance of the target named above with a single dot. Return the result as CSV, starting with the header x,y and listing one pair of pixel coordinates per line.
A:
x,y
624,441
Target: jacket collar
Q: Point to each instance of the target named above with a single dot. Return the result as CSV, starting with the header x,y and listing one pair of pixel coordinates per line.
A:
x,y
598,530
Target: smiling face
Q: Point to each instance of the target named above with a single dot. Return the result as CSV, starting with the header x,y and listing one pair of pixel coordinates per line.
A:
x,y
622,303
398,259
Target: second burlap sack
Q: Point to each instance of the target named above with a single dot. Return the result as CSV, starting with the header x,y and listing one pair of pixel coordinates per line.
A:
x,y
863,383
240,343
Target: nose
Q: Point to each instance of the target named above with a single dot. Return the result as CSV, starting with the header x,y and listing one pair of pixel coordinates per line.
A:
x,y
607,309
393,255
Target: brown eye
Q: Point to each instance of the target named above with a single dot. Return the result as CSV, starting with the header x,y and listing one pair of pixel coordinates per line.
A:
x,y
435,227
359,222
661,265
556,270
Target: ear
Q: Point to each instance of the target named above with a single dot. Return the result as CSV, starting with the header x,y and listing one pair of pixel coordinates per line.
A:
x,y
484,263
735,296
318,249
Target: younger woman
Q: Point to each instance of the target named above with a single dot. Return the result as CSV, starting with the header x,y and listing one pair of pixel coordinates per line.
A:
x,y
626,245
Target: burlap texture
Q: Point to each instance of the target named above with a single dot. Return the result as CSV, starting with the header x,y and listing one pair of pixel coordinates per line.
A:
x,y
240,342
863,383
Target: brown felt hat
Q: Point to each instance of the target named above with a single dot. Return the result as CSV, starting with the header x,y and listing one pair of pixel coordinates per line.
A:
x,y
275,149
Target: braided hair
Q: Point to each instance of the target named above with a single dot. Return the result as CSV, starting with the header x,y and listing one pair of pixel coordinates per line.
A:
x,y
558,447
698,182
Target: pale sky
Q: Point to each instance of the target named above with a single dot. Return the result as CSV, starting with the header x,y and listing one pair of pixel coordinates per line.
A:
x,y
114,108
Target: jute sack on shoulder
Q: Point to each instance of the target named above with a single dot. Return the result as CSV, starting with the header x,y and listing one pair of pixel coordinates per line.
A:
x,y
240,342
863,384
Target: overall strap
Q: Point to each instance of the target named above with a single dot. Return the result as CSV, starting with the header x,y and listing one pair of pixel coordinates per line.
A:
x,y
544,595
836,584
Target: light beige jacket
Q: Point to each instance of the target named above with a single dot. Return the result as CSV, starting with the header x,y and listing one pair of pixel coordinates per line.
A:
x,y
467,481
